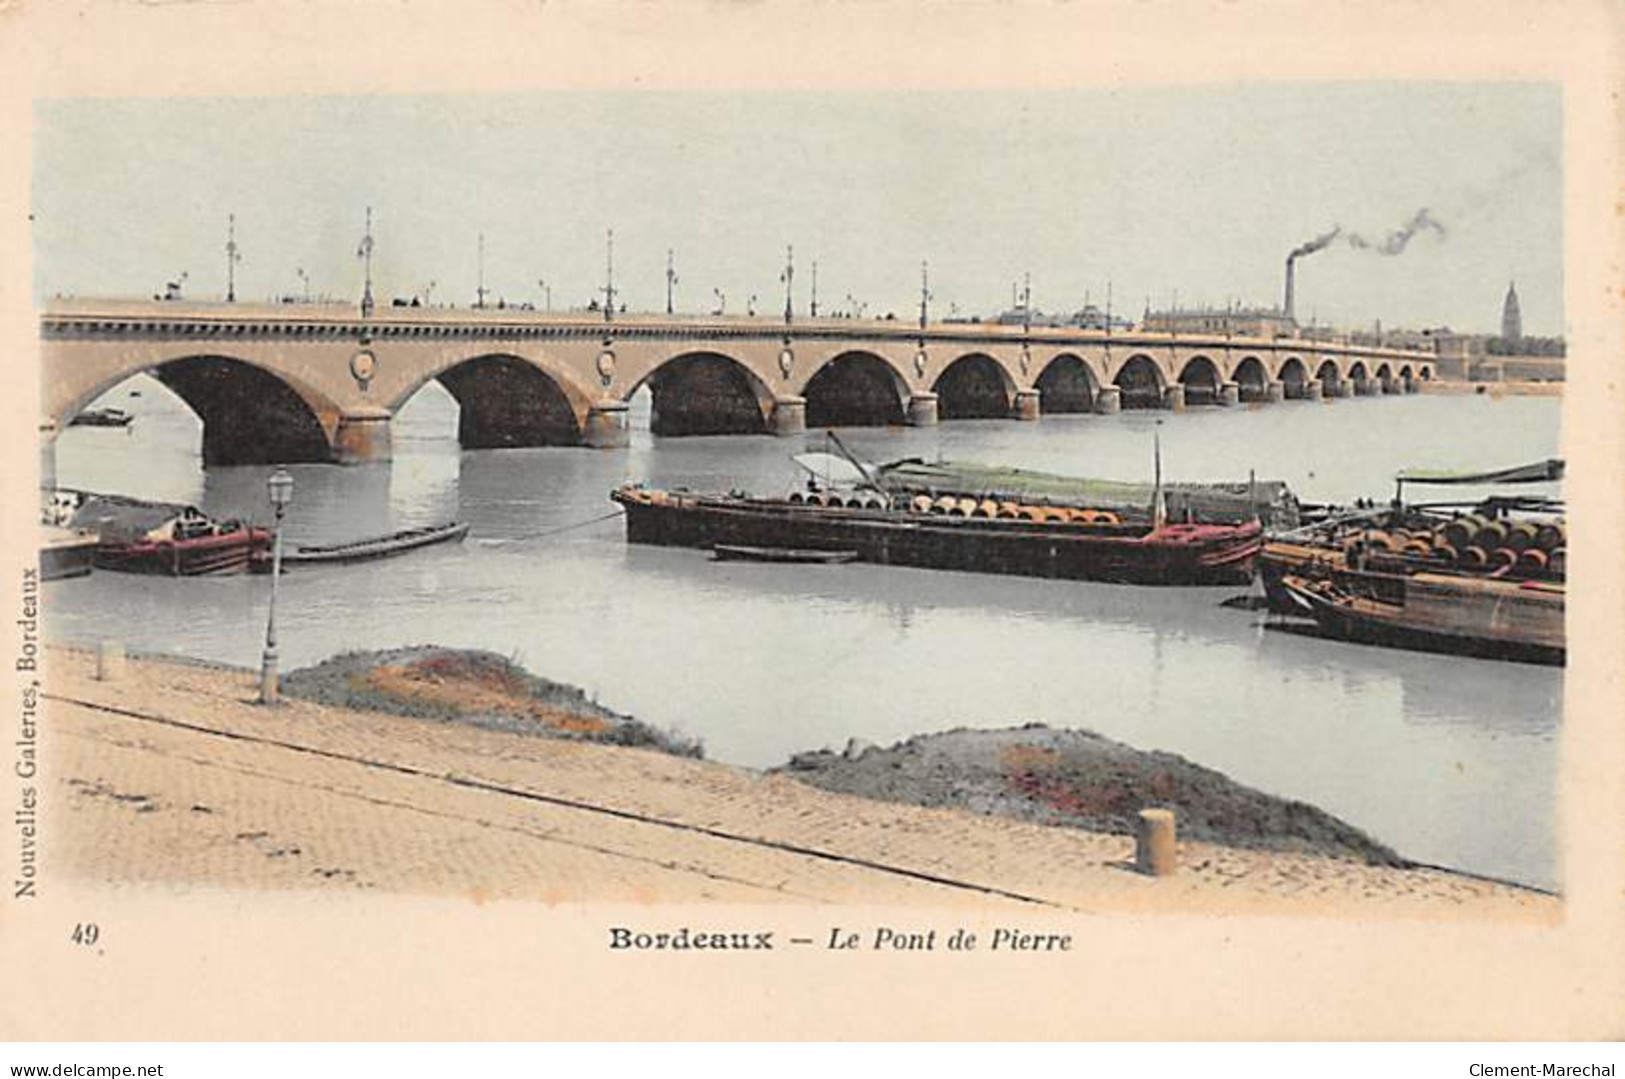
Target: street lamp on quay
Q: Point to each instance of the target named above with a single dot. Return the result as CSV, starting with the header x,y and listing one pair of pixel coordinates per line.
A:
x,y
280,486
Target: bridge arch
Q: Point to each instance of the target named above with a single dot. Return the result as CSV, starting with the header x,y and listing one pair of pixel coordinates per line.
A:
x,y
1359,372
1405,371
1200,377
1067,384
251,415
1329,377
505,400
856,389
1294,377
1251,379
1142,381
1385,372
973,387
705,393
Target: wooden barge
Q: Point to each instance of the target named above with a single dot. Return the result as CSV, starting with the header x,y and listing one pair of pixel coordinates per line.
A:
x,y
974,536
1430,612
1485,579
138,536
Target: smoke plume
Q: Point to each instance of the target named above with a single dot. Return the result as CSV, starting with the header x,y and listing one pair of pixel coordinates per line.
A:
x,y
1316,244
1396,241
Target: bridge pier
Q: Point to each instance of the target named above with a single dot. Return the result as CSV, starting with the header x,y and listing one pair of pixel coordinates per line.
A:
x,y
606,427
363,437
1407,384
1313,390
922,410
1028,405
1229,393
1363,387
1109,400
789,416
1173,398
1274,390
1337,387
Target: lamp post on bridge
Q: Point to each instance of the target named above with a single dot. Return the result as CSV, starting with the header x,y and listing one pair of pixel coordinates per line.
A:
x,y
788,276
609,275
925,291
364,252
479,289
815,288
280,487
234,255
671,278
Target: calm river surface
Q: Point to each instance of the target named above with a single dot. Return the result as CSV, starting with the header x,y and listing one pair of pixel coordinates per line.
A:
x,y
1451,761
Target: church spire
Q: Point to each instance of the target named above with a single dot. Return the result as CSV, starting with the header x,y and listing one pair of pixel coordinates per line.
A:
x,y
1511,319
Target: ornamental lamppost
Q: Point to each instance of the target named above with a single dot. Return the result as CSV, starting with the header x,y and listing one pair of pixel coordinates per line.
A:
x,y
281,489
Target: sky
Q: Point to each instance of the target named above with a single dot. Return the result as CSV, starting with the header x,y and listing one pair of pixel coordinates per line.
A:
x,y
1194,193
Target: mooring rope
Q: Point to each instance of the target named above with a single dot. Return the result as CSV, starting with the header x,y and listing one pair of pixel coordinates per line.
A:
x,y
497,540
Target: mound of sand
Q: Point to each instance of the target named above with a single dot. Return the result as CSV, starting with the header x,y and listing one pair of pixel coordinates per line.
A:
x,y
474,687
1080,779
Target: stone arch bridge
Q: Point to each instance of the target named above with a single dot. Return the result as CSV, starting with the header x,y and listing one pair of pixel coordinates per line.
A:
x,y
306,382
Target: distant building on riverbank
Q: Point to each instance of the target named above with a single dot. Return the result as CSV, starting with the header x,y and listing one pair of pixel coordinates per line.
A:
x,y
1265,322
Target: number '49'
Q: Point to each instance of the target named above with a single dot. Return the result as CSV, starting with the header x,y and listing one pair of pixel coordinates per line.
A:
x,y
86,933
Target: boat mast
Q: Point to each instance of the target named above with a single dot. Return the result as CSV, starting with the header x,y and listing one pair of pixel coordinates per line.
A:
x,y
1159,506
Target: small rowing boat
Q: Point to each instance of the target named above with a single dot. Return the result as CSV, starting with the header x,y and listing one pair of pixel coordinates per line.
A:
x,y
363,550
729,552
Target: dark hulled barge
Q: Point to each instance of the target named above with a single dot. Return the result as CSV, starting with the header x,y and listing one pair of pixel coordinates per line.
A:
x,y
953,533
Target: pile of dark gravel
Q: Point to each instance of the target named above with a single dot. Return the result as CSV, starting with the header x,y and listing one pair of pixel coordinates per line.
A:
x,y
343,681
1081,779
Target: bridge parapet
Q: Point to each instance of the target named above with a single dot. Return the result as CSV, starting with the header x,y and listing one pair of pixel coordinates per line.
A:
x,y
526,377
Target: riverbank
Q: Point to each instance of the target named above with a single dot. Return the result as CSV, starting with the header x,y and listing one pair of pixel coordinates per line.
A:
x,y
1510,388
172,776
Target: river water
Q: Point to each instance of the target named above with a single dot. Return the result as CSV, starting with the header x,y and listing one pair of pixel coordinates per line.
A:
x,y
1451,761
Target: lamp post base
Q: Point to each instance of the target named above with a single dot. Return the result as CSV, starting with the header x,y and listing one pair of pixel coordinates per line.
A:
x,y
269,690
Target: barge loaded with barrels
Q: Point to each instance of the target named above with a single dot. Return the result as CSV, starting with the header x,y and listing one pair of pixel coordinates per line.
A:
x,y
967,518
1482,578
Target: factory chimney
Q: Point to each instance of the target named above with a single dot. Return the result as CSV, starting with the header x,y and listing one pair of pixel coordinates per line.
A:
x,y
1286,308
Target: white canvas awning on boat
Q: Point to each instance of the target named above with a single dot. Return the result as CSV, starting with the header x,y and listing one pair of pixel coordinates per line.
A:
x,y
828,468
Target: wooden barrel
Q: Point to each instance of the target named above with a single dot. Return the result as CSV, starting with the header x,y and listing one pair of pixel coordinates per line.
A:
x,y
1009,511
987,508
1533,562
1557,562
1459,532
944,504
1032,513
1417,548
1503,558
1521,536
1473,557
920,504
1491,536
1550,536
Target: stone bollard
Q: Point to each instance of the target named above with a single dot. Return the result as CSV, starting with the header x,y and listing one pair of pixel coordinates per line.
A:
x,y
1154,852
109,661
